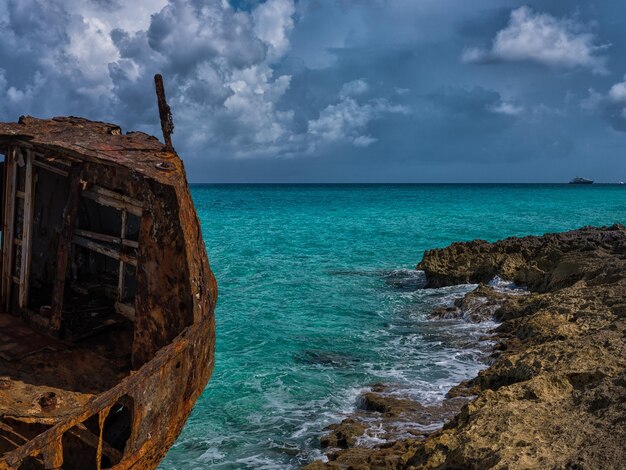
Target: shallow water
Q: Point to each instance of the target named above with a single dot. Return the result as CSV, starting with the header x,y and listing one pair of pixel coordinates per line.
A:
x,y
319,299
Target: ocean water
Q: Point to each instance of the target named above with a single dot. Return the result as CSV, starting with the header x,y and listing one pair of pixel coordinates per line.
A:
x,y
319,300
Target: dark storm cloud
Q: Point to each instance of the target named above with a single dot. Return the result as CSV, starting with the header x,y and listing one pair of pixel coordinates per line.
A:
x,y
336,90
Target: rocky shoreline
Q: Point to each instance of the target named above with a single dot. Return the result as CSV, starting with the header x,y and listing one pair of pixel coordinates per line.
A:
x,y
554,395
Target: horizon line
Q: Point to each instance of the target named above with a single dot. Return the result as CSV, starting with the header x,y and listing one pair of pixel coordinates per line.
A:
x,y
604,183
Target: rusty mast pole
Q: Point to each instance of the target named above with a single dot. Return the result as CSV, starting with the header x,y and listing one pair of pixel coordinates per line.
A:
x,y
165,113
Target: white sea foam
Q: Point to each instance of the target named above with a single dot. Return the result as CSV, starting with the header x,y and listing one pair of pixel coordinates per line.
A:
x,y
508,287
441,354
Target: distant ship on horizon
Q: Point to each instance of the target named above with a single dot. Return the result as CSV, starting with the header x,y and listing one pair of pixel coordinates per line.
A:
x,y
579,180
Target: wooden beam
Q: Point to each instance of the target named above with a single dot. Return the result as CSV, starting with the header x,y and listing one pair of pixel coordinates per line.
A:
x,y
122,272
11,441
130,243
65,243
7,227
114,195
118,201
98,236
104,250
27,230
46,157
5,427
125,310
50,168
106,238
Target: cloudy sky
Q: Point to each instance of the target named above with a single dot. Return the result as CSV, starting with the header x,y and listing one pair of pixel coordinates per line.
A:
x,y
337,90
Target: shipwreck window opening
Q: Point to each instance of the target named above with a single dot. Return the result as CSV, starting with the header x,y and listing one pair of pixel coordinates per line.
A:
x,y
80,443
116,432
103,263
118,425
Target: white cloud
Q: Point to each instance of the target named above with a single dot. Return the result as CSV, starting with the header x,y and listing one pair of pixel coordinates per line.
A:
x,y
542,38
364,141
341,121
97,58
347,120
272,23
617,93
475,55
506,107
130,16
91,48
252,110
354,88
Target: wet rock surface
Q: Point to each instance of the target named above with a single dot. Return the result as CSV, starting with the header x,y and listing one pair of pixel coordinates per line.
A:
x,y
555,393
383,428
477,306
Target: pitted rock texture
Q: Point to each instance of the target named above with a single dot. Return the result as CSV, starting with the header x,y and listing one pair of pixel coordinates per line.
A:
x,y
555,394
541,264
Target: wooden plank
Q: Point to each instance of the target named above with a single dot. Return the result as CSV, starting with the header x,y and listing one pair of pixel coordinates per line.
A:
x,y
5,427
51,156
113,202
122,273
5,201
29,194
104,250
113,195
8,226
50,168
20,194
65,243
98,236
106,238
130,243
126,310
11,442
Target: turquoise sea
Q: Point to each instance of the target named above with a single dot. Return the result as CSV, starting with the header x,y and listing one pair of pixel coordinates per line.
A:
x,y
319,300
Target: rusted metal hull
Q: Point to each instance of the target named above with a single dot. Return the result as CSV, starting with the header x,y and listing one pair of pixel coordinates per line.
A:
x,y
133,423
164,391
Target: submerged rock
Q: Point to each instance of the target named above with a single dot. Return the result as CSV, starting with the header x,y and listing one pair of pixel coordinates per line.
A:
x,y
327,358
555,394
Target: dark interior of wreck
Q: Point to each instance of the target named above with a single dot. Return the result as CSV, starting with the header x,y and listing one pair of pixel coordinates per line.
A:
x,y
78,297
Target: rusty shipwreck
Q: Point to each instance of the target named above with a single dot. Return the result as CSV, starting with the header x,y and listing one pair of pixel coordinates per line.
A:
x,y
106,317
